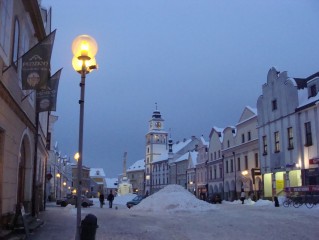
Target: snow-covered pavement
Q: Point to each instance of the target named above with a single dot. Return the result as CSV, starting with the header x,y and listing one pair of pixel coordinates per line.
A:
x,y
174,213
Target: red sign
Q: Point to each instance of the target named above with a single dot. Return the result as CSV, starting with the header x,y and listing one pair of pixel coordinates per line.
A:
x,y
310,188
314,160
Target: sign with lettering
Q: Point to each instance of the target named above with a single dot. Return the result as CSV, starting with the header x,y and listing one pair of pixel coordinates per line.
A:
x,y
314,160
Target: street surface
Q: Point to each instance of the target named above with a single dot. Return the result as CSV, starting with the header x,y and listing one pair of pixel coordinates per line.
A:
x,y
227,221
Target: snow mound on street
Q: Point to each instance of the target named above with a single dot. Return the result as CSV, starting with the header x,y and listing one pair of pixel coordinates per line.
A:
x,y
173,198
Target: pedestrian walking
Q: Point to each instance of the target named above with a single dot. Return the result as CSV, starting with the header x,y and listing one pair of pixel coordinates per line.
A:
x,y
242,196
110,198
101,198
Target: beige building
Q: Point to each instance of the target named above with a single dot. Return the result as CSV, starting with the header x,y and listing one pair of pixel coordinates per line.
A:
x,y
23,146
234,158
136,175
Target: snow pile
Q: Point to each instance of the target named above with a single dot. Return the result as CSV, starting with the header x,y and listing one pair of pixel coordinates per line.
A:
x,y
173,198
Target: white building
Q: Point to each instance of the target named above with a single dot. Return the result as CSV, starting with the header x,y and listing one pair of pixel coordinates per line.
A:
x,y
288,126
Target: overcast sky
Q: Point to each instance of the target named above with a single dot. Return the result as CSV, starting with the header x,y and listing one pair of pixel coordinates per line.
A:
x,y
202,61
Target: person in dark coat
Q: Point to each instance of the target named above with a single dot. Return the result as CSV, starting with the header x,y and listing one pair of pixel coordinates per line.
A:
x,y
242,196
101,198
110,198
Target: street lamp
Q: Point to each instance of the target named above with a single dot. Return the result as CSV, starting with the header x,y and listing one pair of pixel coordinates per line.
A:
x,y
84,49
58,188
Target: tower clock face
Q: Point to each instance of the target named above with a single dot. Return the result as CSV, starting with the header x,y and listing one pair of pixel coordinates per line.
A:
x,y
158,124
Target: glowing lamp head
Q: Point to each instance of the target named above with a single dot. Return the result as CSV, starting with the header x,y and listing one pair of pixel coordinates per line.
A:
x,y
90,65
76,156
84,46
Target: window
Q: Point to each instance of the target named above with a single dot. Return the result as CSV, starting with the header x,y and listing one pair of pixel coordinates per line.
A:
x,y
238,164
290,138
228,143
249,136
242,138
232,165
15,52
218,153
214,155
220,172
274,104
313,91
226,166
215,172
246,162
211,156
308,134
265,146
5,27
256,160
277,147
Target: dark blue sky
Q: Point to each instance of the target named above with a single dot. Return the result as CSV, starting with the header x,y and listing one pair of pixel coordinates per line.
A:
x,y
202,61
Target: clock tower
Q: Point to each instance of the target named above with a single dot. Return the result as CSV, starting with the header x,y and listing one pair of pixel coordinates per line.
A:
x,y
156,146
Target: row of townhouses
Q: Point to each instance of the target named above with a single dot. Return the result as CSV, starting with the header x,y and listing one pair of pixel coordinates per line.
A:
x,y
270,149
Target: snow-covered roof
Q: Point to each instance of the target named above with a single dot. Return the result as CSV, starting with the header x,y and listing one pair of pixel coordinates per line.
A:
x,y
162,157
303,97
254,110
138,165
183,157
97,172
180,144
204,142
194,155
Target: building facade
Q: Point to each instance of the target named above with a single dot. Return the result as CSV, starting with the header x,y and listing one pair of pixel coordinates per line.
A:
x,y
23,132
288,126
136,174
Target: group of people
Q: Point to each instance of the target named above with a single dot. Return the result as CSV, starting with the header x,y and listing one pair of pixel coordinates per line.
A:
x,y
109,198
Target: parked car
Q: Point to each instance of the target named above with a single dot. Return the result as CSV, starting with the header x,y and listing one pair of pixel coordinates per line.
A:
x,y
71,199
135,201
215,198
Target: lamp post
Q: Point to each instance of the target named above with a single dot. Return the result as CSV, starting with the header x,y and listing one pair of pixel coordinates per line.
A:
x,y
58,182
84,49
